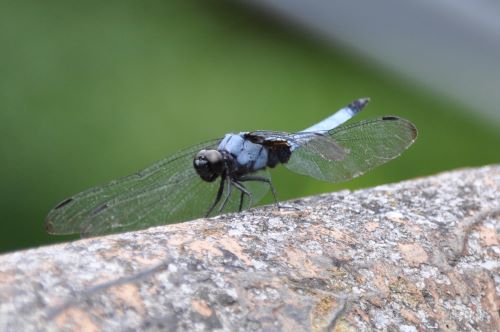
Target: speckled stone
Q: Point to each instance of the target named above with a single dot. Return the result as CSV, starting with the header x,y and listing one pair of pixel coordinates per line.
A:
x,y
417,255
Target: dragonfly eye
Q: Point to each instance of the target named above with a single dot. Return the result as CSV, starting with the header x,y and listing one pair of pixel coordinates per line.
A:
x,y
209,164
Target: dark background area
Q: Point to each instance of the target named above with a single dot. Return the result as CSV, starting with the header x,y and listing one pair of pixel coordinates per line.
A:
x,y
93,91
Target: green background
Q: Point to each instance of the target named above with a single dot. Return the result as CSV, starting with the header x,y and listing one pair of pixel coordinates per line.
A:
x,y
91,91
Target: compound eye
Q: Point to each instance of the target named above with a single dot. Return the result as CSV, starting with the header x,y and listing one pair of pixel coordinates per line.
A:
x,y
213,156
200,160
208,164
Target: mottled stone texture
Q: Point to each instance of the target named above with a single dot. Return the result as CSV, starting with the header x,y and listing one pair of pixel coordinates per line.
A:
x,y
413,256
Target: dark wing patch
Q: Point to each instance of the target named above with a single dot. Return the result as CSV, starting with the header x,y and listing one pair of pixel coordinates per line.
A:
x,y
279,145
269,138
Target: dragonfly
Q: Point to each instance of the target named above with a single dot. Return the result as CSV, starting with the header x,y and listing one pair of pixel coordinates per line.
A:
x,y
230,174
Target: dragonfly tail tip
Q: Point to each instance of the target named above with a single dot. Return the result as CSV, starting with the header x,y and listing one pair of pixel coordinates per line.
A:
x,y
359,104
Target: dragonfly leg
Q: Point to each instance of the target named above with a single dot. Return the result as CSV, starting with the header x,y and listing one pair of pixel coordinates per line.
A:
x,y
218,197
226,199
262,179
242,195
243,190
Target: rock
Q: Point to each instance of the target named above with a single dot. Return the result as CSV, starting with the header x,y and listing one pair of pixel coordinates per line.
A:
x,y
417,255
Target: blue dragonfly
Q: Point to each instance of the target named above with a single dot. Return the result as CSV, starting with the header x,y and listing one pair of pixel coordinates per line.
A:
x,y
231,173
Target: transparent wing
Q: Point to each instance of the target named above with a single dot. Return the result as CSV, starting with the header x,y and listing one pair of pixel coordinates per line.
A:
x,y
366,145
186,199
320,144
168,191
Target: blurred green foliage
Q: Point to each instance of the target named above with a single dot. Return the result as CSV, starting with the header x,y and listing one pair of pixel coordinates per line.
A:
x,y
91,91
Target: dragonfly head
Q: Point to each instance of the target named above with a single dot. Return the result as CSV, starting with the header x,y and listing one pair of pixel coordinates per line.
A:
x,y
209,164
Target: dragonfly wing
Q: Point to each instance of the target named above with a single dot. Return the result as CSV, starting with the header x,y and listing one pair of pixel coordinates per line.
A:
x,y
366,145
319,143
83,211
168,191
186,198
182,197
